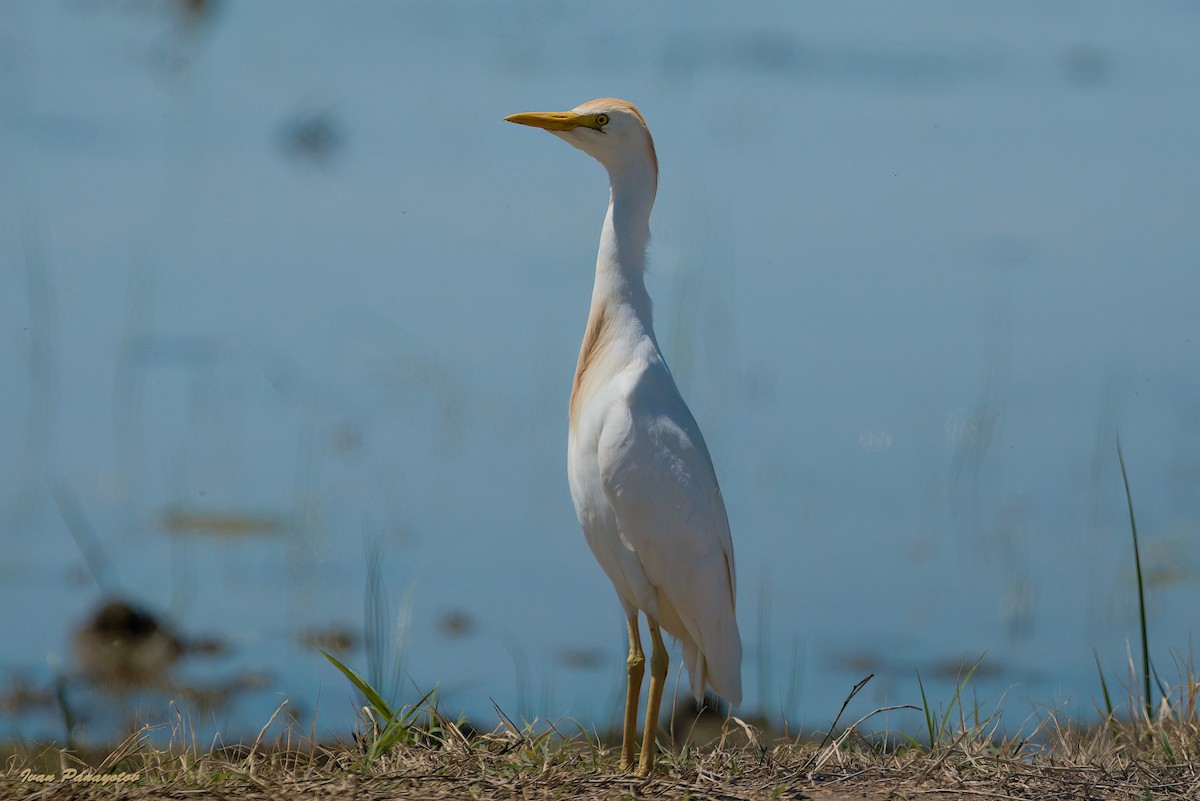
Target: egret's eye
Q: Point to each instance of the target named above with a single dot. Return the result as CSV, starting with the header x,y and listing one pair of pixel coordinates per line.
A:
x,y
602,119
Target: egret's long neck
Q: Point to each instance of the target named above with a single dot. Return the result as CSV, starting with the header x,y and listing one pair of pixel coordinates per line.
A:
x,y
620,314
621,261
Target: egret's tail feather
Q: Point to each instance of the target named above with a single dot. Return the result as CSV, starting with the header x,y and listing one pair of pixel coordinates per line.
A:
x,y
723,675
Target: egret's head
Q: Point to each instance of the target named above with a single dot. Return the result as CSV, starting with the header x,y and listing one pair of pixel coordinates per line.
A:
x,y
611,131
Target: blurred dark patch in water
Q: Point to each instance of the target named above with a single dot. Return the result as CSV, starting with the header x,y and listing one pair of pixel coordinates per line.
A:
x,y
127,657
858,662
782,53
205,645
699,721
956,668
347,437
22,696
170,49
1088,66
1009,252
198,10
863,662
581,658
315,136
1166,560
335,640
123,644
220,524
455,623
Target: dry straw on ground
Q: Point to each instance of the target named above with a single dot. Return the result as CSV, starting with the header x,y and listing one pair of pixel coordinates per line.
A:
x,y
442,761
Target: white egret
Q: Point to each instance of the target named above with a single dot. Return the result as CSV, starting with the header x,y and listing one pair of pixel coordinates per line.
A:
x,y
641,478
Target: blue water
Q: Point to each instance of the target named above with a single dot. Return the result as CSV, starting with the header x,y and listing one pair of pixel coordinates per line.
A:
x,y
914,268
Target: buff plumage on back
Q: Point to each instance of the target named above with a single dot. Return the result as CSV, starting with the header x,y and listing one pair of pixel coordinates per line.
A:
x,y
596,339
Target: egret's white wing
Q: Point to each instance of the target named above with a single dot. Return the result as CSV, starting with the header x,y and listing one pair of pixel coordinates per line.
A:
x,y
659,479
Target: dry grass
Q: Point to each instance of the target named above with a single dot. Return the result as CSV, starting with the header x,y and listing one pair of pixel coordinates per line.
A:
x,y
442,760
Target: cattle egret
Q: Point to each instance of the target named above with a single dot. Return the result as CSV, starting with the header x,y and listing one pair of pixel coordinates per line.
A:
x,y
641,478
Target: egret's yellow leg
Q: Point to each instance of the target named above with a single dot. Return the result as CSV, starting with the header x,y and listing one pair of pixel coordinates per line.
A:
x,y
658,677
636,665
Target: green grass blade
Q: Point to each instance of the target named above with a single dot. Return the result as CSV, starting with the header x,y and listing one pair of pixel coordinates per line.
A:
x,y
929,716
957,699
373,698
1108,707
416,708
1110,716
395,732
1141,590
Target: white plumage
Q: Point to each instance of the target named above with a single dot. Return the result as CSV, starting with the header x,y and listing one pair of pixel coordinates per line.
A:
x,y
640,474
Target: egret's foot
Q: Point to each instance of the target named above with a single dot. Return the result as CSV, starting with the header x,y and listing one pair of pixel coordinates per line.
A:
x,y
646,766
